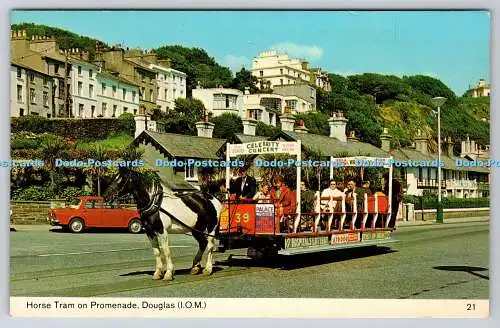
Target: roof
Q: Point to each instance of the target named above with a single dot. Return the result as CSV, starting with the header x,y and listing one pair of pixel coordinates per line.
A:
x,y
29,59
55,56
180,145
140,64
329,146
449,162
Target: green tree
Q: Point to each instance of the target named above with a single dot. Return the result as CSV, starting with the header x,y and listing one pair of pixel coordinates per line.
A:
x,y
189,108
430,86
245,79
382,87
53,147
227,125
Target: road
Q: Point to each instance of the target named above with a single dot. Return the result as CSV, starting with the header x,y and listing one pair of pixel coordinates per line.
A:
x,y
447,261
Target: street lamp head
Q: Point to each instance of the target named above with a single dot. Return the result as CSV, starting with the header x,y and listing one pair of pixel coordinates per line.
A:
x,y
438,101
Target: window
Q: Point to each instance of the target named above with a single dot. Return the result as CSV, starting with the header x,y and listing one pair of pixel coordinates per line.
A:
x,y
182,93
261,73
21,111
61,89
104,108
114,111
125,109
19,93
45,82
124,93
91,73
91,90
166,93
104,89
92,111
32,77
79,70
173,93
133,96
80,110
281,70
114,91
56,69
32,96
151,95
135,111
190,173
227,101
19,72
80,86
45,99
143,93
281,81
158,93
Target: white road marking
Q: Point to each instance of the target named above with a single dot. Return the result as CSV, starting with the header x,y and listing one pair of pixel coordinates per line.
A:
x,y
108,251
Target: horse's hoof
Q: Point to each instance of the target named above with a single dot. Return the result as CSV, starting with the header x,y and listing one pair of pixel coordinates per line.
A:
x,y
168,277
195,270
207,272
158,275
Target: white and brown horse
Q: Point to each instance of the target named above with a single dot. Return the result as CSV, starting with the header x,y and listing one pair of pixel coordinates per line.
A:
x,y
196,211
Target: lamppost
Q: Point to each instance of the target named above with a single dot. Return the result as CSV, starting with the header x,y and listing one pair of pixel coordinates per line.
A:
x,y
438,102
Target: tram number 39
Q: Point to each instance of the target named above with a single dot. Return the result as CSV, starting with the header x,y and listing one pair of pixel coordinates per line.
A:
x,y
242,217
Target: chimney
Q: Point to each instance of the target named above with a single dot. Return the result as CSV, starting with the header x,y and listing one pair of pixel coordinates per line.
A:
x,y
287,120
385,137
247,90
140,122
301,127
352,136
205,129
249,126
449,147
421,142
337,126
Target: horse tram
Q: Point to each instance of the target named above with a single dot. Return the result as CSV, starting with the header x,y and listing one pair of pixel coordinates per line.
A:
x,y
259,226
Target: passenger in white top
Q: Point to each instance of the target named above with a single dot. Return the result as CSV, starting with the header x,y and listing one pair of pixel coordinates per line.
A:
x,y
331,191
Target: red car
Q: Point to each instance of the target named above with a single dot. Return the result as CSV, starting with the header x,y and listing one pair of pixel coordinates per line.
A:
x,y
93,212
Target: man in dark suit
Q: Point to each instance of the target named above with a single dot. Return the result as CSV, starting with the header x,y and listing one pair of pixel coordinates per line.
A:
x,y
245,186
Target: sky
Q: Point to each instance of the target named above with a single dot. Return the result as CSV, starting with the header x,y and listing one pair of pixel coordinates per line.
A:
x,y
453,46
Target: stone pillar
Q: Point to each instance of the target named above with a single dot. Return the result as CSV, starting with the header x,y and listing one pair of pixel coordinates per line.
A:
x,y
385,137
205,129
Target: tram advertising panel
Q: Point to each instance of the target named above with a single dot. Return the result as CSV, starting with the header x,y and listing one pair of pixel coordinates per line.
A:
x,y
240,216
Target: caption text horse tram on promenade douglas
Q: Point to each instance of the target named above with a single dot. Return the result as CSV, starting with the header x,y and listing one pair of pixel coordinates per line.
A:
x,y
265,230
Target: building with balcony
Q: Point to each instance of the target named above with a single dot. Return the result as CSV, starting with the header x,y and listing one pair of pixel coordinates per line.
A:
x,y
220,100
272,69
457,180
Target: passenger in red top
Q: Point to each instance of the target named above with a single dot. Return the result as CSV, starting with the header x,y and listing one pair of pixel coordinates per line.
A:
x,y
285,199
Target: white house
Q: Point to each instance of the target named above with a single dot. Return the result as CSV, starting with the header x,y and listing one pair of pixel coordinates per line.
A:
x,y
171,85
221,100
84,89
116,95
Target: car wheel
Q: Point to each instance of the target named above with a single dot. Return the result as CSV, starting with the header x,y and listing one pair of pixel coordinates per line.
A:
x,y
135,226
76,225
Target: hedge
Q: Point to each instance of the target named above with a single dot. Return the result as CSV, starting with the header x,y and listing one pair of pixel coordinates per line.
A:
x,y
73,128
428,202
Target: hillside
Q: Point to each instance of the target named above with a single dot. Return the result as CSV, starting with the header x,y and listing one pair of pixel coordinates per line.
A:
x,y
370,101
